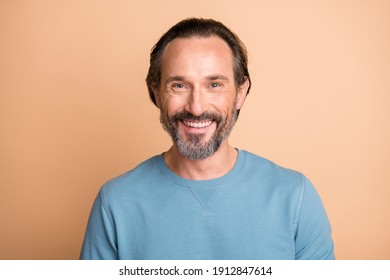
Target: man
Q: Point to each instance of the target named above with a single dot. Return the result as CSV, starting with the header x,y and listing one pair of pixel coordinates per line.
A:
x,y
204,199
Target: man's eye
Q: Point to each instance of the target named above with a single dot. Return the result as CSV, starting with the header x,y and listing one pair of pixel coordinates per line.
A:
x,y
178,86
214,85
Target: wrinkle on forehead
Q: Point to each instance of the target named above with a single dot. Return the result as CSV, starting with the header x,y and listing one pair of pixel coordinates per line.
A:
x,y
197,55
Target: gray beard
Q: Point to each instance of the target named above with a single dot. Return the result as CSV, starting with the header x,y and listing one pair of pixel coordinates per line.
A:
x,y
195,148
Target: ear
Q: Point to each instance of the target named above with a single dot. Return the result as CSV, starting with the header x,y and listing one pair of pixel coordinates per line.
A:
x,y
157,97
241,94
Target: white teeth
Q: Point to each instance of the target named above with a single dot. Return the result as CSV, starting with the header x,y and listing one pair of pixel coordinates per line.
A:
x,y
197,124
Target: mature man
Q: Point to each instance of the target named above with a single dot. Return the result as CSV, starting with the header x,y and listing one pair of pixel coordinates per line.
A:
x,y
204,199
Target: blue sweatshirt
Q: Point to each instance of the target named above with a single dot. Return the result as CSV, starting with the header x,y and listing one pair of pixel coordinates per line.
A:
x,y
258,210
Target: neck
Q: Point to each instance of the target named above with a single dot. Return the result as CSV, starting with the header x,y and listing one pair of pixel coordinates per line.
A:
x,y
217,165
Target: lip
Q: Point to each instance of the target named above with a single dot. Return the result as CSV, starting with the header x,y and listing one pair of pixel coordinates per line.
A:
x,y
197,124
192,126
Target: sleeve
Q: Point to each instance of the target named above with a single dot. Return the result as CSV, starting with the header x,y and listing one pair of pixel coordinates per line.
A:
x,y
100,237
313,236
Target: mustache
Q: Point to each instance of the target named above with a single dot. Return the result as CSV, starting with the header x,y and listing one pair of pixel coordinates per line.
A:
x,y
185,115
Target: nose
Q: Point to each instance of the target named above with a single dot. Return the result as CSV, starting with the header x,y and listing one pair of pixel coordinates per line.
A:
x,y
196,103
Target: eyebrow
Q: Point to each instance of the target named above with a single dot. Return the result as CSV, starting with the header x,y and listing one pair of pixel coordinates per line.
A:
x,y
210,78
175,78
217,77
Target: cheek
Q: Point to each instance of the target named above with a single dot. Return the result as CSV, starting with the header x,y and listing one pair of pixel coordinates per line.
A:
x,y
172,104
225,102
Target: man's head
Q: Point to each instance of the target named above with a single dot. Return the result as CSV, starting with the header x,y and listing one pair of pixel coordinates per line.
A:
x,y
198,78
204,28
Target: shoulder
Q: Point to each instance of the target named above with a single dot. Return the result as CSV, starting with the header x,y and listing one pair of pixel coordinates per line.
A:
x,y
286,189
266,170
282,186
132,182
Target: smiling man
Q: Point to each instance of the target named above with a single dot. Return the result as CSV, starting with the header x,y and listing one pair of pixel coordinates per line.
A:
x,y
204,199
199,99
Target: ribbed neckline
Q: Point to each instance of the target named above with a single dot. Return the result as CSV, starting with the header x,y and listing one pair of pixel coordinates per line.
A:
x,y
171,176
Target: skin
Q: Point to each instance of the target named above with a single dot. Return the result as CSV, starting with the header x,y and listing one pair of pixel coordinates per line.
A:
x,y
197,76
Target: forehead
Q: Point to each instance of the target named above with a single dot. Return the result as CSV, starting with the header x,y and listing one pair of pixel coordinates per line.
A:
x,y
197,54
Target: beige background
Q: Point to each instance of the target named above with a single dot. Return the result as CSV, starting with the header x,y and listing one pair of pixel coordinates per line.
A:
x,y
74,109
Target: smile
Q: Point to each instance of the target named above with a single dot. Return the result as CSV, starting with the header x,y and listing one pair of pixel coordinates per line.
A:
x,y
197,124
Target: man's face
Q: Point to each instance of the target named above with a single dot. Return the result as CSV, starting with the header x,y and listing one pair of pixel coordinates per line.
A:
x,y
197,97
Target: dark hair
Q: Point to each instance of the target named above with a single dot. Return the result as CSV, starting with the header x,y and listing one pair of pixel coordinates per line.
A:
x,y
198,27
